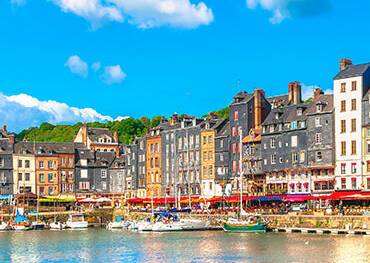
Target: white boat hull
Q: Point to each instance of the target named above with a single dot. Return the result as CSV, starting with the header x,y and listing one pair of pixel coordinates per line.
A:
x,y
77,225
115,225
144,226
4,226
57,226
193,224
170,227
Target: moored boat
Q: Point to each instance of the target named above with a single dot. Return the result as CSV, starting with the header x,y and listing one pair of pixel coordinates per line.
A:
x,y
252,224
21,221
57,226
38,225
4,226
76,221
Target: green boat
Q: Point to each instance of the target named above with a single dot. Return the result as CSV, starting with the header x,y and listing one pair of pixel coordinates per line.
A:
x,y
251,225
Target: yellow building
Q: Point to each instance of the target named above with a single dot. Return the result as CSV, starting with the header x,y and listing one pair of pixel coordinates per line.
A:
x,y
208,160
153,164
24,172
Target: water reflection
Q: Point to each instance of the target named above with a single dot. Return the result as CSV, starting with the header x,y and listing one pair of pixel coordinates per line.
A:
x,y
119,246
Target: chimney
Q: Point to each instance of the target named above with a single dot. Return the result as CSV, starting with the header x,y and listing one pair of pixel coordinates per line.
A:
x,y
84,134
343,63
11,139
5,129
290,92
297,93
317,93
258,94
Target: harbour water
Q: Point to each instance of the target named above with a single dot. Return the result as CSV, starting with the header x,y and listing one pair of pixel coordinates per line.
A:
x,y
98,245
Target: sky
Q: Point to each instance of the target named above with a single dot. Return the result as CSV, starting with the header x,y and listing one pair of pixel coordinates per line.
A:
x,y
64,61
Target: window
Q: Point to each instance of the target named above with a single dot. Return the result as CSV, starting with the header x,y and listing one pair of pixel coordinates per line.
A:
x,y
50,164
273,143
353,147
353,104
233,147
299,112
204,140
27,176
84,173
293,125
368,166
353,125
343,87
50,177
2,162
236,115
354,183
318,156
233,131
41,164
273,159
368,147
27,163
343,183
294,157
343,106
41,190
302,157
319,107
368,132
104,185
294,141
343,148
221,157
368,183
41,178
354,85
103,173
20,163
343,126
353,168
204,156
343,168
318,122
318,138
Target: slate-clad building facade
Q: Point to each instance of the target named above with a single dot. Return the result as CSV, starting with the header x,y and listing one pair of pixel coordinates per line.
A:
x,y
6,161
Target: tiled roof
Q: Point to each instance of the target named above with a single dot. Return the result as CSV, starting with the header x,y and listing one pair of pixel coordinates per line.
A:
x,y
353,71
42,148
5,146
326,100
95,133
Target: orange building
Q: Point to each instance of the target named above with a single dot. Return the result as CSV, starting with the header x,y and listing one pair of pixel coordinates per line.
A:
x,y
153,163
54,165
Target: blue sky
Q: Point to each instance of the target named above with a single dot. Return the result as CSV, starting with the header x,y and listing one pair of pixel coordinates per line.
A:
x,y
84,60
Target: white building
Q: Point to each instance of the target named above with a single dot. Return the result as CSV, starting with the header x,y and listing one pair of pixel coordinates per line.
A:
x,y
350,85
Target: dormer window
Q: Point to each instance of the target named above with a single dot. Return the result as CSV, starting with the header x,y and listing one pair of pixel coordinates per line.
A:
x,y
299,112
277,115
319,107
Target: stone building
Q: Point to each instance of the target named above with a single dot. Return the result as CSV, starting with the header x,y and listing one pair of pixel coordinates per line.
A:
x,y
153,163
284,145
117,171
222,159
24,170
6,161
320,143
84,170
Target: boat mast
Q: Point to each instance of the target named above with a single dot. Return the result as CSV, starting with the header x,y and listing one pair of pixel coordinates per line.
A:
x,y
241,169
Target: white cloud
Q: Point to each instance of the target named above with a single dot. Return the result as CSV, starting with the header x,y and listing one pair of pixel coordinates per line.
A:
x,y
174,13
143,13
96,66
121,118
77,66
23,111
92,10
282,9
307,91
18,2
113,75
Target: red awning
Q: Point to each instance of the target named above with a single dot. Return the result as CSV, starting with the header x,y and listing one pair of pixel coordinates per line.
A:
x,y
299,198
342,195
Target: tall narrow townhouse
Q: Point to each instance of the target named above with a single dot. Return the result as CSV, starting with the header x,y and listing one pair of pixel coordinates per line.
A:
x,y
222,157
153,163
84,170
242,120
116,175
211,186
141,167
252,155
130,182
6,161
66,168
350,86
320,143
24,170
284,145
366,140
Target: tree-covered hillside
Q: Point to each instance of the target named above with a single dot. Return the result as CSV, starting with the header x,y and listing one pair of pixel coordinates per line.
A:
x,y
127,129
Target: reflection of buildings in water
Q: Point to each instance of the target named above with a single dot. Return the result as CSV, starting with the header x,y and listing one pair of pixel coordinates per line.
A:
x,y
348,251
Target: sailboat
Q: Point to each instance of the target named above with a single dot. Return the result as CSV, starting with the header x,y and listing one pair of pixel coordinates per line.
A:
x,y
21,221
245,222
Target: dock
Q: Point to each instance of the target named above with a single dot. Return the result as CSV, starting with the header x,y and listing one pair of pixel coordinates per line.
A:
x,y
321,231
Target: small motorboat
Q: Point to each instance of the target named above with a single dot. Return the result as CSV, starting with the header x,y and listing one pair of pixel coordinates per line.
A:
x,y
38,225
193,224
145,226
117,224
76,221
4,226
57,226
21,221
